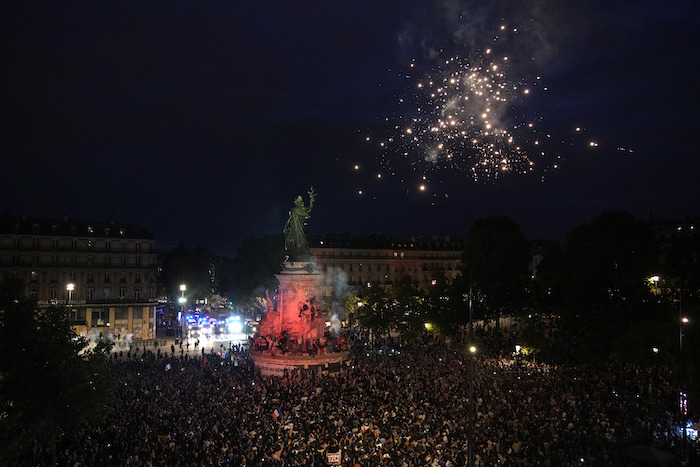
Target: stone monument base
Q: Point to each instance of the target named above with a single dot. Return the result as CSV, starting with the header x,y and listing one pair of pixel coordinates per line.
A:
x,y
274,365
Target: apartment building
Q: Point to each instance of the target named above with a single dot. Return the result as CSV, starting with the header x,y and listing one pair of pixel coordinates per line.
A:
x,y
381,260
104,272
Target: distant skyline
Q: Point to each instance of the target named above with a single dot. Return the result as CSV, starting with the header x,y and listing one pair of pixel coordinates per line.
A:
x,y
205,120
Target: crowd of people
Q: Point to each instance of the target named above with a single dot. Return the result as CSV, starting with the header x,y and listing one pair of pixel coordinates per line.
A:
x,y
406,405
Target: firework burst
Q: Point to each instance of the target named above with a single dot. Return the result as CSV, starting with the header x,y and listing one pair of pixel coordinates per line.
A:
x,y
469,114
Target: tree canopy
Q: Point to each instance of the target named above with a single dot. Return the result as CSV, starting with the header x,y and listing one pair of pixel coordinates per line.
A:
x,y
48,379
496,259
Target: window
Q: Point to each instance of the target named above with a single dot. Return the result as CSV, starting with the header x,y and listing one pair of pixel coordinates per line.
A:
x,y
33,294
137,294
90,276
33,276
106,277
35,229
138,261
122,292
123,246
54,229
53,293
106,292
137,277
90,293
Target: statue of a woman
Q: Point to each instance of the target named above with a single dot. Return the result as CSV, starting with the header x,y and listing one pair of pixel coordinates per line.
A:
x,y
295,241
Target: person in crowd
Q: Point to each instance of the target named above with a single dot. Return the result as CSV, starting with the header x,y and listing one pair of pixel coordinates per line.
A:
x,y
404,408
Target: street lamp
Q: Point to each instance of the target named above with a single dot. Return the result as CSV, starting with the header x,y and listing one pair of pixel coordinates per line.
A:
x,y
182,301
472,351
70,288
684,320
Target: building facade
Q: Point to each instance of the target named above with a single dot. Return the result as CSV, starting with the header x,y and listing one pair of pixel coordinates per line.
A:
x,y
381,260
103,272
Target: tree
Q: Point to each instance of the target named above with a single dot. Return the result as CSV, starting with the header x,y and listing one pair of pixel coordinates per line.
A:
x,y
444,305
376,312
49,382
252,271
532,335
192,267
407,310
599,282
496,260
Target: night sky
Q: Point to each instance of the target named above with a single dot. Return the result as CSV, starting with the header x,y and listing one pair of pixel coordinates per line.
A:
x,y
206,119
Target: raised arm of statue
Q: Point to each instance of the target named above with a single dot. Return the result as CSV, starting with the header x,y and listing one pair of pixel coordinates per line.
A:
x,y
312,198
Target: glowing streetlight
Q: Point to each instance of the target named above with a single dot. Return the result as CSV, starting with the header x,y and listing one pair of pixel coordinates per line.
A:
x,y
684,320
472,351
70,288
182,301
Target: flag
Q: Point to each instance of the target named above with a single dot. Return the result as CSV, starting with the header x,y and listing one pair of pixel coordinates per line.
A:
x,y
276,414
204,361
168,366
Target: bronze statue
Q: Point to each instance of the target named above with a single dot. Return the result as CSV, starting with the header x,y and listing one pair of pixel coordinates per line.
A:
x,y
295,241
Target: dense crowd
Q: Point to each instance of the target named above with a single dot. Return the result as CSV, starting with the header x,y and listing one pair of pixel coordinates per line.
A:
x,y
404,406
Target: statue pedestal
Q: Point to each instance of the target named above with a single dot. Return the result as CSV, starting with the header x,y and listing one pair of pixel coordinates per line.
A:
x,y
275,365
298,311
299,319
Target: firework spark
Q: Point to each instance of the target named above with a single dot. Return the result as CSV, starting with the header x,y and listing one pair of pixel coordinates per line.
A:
x,y
467,114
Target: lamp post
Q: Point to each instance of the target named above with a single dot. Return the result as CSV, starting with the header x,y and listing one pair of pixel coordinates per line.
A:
x,y
70,287
681,320
182,301
470,454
